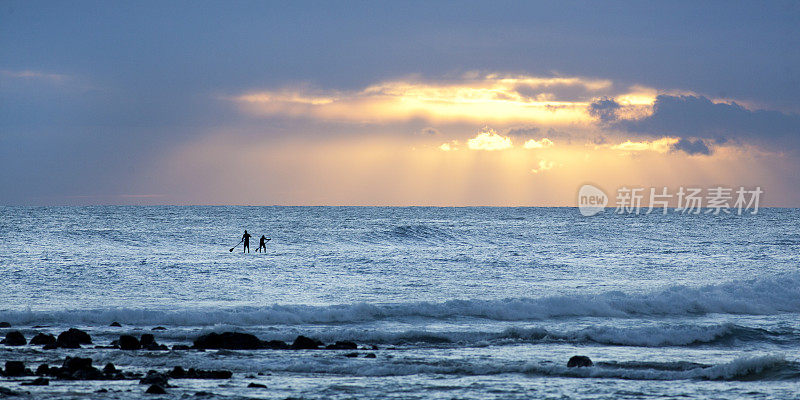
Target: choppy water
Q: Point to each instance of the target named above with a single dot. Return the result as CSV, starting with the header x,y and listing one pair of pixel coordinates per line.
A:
x,y
461,302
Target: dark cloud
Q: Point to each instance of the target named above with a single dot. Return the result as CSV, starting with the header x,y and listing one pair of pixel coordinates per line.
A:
x,y
692,147
523,132
604,109
428,131
699,117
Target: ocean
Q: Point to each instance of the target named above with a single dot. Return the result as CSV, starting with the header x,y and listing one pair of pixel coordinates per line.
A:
x,y
454,303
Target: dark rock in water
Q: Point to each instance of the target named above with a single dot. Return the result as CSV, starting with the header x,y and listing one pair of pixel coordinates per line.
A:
x,y
276,345
155,389
109,369
116,324
256,385
15,368
51,346
43,339
5,324
37,382
370,355
228,340
159,328
73,364
181,347
177,373
101,391
305,343
79,369
73,339
147,340
579,361
154,378
342,345
6,392
351,355
128,342
15,338
203,394
43,369
374,347
203,374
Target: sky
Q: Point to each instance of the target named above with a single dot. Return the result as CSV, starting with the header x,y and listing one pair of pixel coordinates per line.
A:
x,y
394,103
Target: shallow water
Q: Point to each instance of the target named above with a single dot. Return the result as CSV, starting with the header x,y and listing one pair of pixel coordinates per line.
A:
x,y
461,302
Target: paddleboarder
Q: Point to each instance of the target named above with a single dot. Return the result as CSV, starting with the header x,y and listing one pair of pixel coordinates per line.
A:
x,y
246,240
262,244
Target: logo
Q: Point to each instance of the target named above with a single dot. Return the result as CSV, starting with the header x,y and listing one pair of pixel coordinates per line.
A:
x,y
591,200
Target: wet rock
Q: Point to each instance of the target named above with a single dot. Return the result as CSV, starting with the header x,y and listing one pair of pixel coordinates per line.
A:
x,y
203,394
177,373
201,374
147,340
51,346
6,392
101,391
305,343
159,328
228,340
116,324
15,368
128,342
181,347
43,369
342,345
154,378
73,339
77,368
37,382
43,339
15,338
5,324
370,355
579,361
109,369
351,355
156,389
256,385
276,345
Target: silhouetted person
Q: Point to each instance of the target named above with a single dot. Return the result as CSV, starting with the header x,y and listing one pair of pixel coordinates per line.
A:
x,y
246,240
262,243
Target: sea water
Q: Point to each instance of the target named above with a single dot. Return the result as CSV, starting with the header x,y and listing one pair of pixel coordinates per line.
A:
x,y
467,303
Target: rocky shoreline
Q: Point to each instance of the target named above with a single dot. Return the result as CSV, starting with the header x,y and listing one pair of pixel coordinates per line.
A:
x,y
158,381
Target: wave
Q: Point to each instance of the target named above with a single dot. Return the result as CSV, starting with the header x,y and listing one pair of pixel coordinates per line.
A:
x,y
764,367
769,296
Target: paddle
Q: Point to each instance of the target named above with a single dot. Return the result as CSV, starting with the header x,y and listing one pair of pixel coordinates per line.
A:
x,y
237,245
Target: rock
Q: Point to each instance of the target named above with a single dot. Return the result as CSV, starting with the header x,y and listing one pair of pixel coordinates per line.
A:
x,y
15,368
256,385
43,369
128,342
156,389
73,339
109,369
101,391
37,382
5,324
181,347
351,355
77,368
159,328
147,340
154,378
203,394
276,345
43,339
178,372
370,355
305,343
51,346
116,324
579,361
6,392
342,345
228,340
15,338
73,364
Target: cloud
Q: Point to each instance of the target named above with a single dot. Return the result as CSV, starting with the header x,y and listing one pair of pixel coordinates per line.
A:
x,y
700,117
604,109
662,145
28,74
692,147
489,140
446,147
428,131
481,98
544,165
538,144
